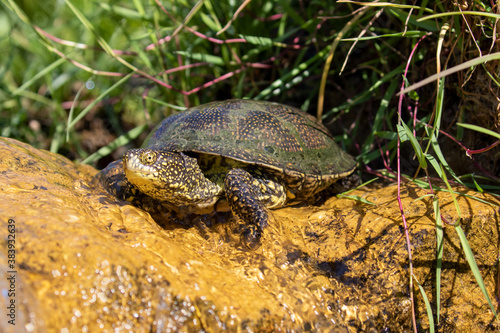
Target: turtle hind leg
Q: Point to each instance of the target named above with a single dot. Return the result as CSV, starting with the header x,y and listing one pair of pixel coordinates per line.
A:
x,y
248,198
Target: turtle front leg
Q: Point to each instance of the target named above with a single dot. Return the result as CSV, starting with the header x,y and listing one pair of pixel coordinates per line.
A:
x,y
248,198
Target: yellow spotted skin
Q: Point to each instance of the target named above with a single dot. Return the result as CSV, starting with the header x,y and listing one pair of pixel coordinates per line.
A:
x,y
255,155
170,176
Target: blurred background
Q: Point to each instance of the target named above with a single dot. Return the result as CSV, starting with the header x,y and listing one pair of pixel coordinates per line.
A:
x,y
89,79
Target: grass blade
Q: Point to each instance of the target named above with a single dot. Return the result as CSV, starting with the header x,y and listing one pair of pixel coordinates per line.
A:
x,y
439,254
473,265
461,13
405,134
72,122
458,68
480,129
386,4
427,306
467,250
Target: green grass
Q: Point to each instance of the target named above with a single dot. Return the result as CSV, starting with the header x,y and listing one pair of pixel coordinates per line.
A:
x,y
83,78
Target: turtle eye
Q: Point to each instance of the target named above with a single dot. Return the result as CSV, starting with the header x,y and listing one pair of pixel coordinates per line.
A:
x,y
148,157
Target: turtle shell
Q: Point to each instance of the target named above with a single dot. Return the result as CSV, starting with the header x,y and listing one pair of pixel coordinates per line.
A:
x,y
277,137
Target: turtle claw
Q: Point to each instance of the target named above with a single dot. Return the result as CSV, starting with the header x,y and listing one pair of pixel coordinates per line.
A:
x,y
250,237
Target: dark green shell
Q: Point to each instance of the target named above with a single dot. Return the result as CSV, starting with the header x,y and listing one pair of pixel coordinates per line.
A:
x,y
270,135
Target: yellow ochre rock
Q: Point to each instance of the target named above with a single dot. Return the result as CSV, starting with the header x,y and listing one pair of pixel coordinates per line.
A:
x,y
86,262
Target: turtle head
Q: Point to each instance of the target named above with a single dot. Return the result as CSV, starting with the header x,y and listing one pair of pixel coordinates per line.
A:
x,y
162,175
169,176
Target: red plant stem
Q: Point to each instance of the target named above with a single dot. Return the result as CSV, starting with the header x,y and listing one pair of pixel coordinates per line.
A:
x,y
198,34
384,159
271,18
468,151
208,84
141,73
181,68
85,68
77,45
236,13
482,150
191,30
377,173
407,235
210,39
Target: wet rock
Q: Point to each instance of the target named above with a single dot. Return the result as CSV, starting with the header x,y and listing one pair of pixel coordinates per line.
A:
x,y
85,261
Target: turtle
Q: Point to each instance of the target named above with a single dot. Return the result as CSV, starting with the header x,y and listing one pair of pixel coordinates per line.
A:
x,y
243,156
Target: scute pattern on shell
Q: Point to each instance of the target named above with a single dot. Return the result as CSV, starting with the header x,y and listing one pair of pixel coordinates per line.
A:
x,y
270,135
268,127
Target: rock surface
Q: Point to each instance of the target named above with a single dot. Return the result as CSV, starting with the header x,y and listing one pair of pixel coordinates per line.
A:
x,y
85,261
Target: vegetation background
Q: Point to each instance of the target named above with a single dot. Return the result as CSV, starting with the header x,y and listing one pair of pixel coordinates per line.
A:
x,y
89,79
76,75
